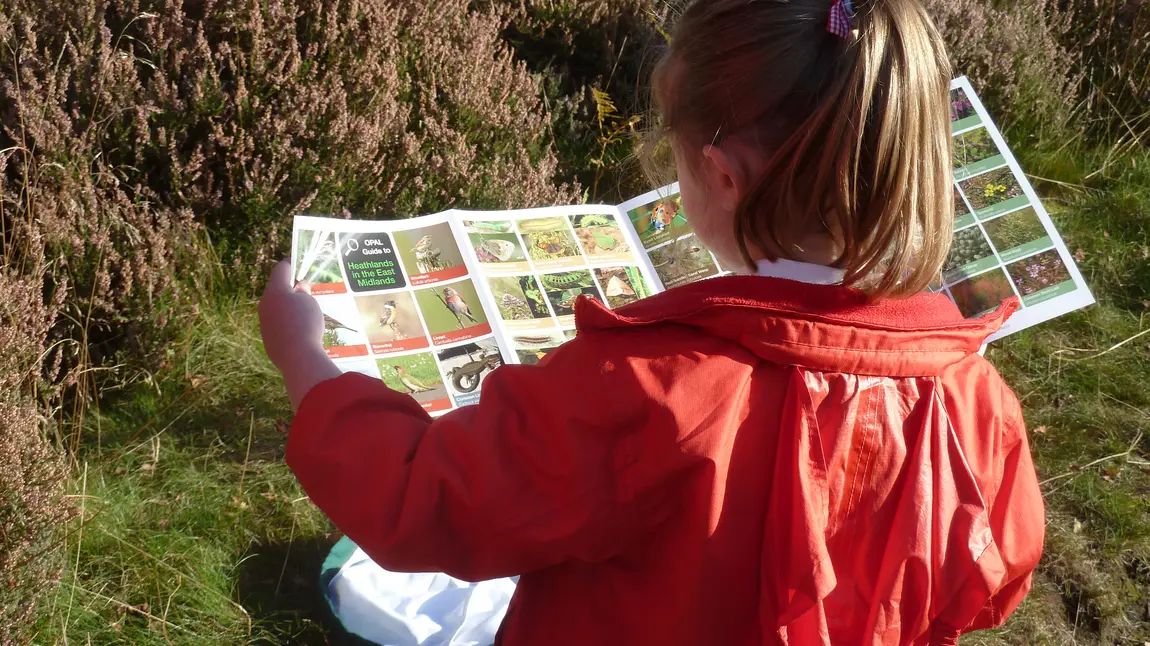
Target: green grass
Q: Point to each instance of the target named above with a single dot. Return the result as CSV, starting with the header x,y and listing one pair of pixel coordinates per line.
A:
x,y
1083,381
192,531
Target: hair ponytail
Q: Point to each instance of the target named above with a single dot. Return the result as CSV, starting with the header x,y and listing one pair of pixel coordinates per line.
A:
x,y
857,129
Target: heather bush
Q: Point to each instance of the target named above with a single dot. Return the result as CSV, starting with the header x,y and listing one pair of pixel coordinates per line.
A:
x,y
1058,66
1114,40
133,130
1012,53
85,257
245,113
1033,61
586,52
130,125
31,473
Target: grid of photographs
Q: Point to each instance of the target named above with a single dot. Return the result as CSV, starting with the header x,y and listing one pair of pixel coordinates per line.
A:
x,y
400,305
536,268
1002,246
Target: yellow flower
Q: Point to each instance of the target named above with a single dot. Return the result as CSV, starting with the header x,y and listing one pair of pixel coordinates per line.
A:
x,y
994,189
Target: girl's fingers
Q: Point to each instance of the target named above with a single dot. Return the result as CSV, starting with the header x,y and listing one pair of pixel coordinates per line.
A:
x,y
281,275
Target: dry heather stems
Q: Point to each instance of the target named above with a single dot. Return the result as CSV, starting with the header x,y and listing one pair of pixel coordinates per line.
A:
x,y
1114,38
1011,51
31,473
244,113
561,14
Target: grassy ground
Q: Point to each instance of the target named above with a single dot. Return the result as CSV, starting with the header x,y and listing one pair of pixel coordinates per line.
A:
x,y
194,532
1083,380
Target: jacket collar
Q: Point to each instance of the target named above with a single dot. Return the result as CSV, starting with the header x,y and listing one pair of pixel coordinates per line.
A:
x,y
828,328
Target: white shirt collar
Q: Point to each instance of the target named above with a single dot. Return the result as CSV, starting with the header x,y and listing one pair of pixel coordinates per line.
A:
x,y
803,272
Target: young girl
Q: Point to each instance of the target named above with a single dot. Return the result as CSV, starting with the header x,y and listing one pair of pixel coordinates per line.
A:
x,y
811,453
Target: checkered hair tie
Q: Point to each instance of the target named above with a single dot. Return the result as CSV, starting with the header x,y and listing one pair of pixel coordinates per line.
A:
x,y
842,11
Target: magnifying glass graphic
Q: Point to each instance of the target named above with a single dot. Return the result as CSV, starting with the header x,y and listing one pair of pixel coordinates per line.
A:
x,y
352,247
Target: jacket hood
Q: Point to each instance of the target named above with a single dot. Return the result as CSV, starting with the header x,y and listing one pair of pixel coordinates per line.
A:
x,y
827,328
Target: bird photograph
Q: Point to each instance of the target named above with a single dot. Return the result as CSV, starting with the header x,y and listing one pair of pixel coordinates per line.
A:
x,y
459,307
411,384
389,320
389,317
317,263
340,327
332,325
331,332
427,255
428,250
415,374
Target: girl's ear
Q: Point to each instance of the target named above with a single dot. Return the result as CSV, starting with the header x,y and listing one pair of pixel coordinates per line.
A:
x,y
726,177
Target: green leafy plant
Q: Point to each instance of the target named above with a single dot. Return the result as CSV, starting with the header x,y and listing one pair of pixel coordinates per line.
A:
x,y
972,147
1016,229
614,130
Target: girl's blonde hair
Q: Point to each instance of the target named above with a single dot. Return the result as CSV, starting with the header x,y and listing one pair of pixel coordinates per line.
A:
x,y
857,129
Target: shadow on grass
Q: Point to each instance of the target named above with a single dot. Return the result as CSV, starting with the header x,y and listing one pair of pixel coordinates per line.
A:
x,y
233,427
279,586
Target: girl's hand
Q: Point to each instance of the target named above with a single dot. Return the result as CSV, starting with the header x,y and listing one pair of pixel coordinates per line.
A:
x,y
290,319
292,327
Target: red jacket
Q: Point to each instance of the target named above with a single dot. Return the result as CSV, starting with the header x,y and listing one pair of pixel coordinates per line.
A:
x,y
742,461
